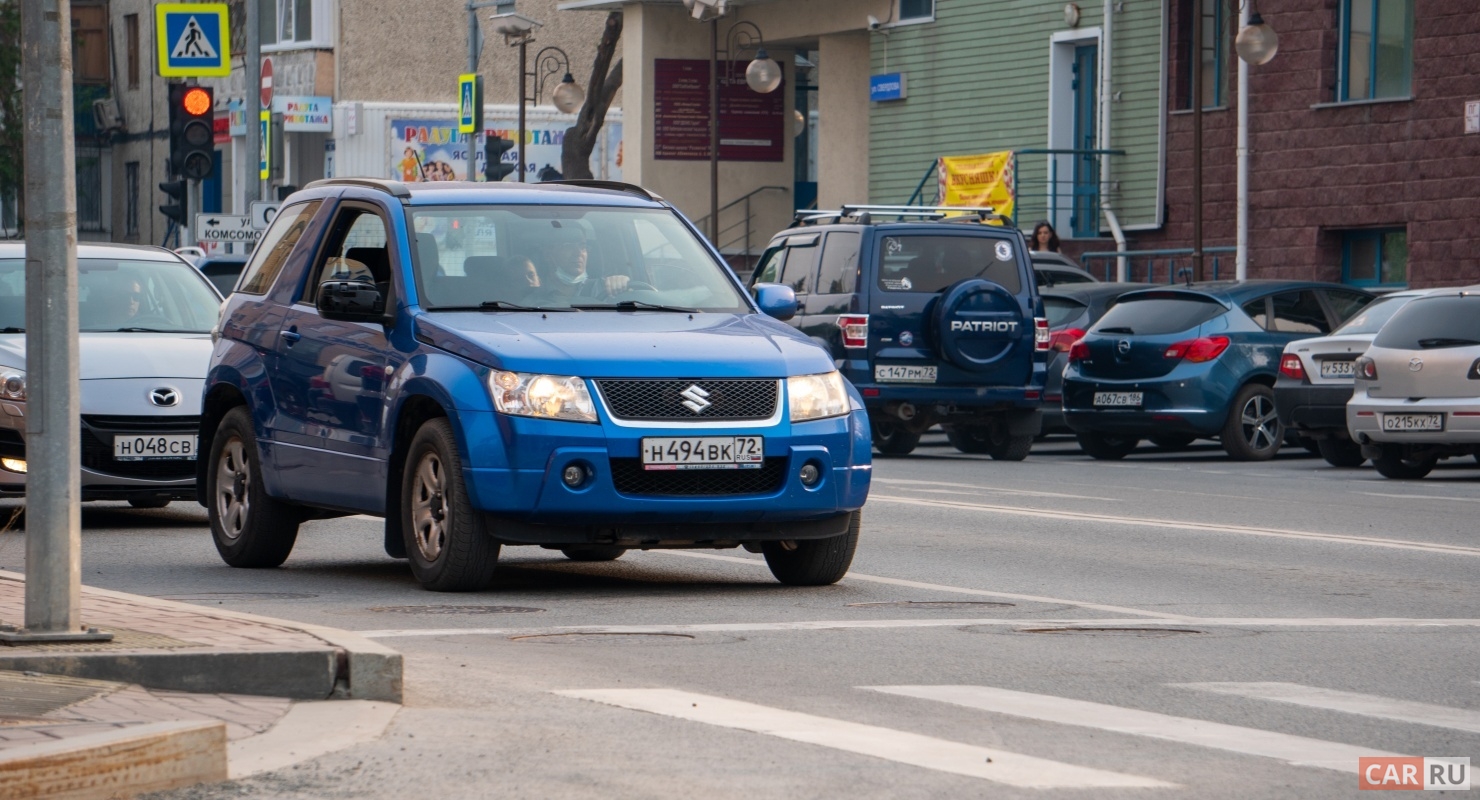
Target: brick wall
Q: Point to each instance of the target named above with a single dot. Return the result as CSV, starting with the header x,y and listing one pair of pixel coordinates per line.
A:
x,y
1317,169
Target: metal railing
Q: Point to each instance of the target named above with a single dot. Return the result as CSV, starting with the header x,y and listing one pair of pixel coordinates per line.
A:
x,y
1176,264
734,237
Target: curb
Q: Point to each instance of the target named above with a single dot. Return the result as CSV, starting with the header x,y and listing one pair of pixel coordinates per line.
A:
x,y
119,763
350,666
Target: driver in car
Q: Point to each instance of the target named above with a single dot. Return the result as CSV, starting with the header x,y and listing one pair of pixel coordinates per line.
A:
x,y
570,279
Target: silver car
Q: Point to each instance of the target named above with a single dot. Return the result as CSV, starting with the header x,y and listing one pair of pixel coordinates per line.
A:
x,y
145,319
1417,396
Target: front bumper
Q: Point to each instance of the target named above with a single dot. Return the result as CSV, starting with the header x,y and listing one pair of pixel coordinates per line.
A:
x,y
1364,418
1309,408
103,478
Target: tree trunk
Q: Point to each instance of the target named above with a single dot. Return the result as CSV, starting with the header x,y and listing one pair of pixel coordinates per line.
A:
x,y
606,79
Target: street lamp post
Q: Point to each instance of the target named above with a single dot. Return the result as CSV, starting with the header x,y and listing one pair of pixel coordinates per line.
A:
x,y
518,31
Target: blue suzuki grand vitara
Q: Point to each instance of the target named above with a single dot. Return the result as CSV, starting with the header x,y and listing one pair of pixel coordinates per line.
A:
x,y
566,365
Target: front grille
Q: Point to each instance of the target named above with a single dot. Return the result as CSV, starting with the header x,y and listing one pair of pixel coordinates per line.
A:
x,y
631,478
12,445
663,400
97,446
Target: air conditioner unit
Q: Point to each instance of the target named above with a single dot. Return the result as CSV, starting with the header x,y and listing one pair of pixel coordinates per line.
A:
x,y
105,114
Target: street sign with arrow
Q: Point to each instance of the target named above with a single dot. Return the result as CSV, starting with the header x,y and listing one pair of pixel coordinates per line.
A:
x,y
225,228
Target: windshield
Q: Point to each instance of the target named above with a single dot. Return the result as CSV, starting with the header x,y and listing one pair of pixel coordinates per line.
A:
x,y
519,257
924,263
1374,316
122,295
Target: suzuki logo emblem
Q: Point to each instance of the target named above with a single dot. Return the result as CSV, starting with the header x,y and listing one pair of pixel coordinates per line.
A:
x,y
1415,364
695,399
1124,346
164,396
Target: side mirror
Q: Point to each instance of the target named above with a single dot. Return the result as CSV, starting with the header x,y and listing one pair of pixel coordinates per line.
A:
x,y
776,300
351,301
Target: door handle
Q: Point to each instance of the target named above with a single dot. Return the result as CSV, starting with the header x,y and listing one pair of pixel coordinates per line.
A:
x,y
291,336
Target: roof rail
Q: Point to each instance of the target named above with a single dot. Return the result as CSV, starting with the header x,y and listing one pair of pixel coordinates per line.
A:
x,y
390,187
616,186
865,214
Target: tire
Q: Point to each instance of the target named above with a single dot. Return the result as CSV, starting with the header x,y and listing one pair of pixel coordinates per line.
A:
x,y
815,562
448,541
892,439
991,439
250,528
973,440
1252,431
1106,446
1395,463
149,502
1173,441
594,553
1341,452
1312,446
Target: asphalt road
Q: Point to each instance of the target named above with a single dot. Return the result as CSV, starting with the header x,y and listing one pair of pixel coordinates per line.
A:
x,y
1173,625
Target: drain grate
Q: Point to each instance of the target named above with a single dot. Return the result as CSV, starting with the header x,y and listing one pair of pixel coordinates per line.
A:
x,y
451,609
932,604
1139,633
235,597
577,637
30,694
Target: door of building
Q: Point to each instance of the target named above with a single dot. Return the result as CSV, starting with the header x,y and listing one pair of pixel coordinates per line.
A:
x,y
1084,221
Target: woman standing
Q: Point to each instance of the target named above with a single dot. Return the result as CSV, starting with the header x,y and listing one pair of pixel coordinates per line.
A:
x,y
1045,239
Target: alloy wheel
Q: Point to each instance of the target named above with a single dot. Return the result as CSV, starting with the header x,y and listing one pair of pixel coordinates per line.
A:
x,y
429,507
1261,423
233,480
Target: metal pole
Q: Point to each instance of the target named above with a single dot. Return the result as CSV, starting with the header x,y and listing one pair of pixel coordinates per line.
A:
x,y
1241,260
472,68
53,435
714,132
523,98
252,104
1197,146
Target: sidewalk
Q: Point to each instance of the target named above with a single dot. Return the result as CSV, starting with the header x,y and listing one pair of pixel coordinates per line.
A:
x,y
182,695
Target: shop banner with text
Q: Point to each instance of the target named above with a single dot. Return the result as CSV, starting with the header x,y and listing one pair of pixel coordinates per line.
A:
x,y
980,180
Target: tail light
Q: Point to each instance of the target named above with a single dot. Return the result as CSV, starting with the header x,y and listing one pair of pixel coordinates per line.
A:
x,y
1040,333
1366,369
1078,351
1291,367
1198,350
1065,339
855,330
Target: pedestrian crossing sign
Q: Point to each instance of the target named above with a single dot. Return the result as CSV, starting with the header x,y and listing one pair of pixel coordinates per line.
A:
x,y
194,40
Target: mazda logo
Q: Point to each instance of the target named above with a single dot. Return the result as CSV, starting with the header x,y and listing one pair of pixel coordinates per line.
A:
x,y
1124,346
695,399
1415,364
165,397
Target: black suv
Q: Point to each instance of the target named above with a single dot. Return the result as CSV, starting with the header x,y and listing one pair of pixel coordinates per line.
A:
x,y
931,312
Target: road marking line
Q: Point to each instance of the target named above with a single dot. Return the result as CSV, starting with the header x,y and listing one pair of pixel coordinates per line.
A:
x,y
1000,766
1295,750
1366,705
309,730
904,482
1422,497
1213,527
889,624
936,587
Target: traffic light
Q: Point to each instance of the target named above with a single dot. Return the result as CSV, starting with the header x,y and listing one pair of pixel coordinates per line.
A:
x,y
192,131
178,206
494,168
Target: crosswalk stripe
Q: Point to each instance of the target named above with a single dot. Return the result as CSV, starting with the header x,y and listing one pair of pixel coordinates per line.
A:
x,y
1366,705
1295,750
1012,769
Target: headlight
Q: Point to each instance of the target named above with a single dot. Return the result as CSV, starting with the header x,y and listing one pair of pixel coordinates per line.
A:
x,y
12,384
548,396
817,396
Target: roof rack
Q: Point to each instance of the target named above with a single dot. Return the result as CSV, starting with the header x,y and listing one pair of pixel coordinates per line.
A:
x,y
616,186
392,188
864,214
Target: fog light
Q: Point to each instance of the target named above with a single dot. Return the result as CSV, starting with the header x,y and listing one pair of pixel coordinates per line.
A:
x,y
574,475
14,464
810,474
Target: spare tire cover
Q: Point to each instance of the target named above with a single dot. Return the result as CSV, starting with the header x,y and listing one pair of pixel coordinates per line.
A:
x,y
978,324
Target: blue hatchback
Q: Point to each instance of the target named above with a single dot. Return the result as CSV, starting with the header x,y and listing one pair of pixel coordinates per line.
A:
x,y
563,365
1179,363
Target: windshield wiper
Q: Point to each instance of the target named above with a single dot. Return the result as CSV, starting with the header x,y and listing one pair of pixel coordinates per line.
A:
x,y
499,305
639,305
145,330
1443,341
12,329
1121,329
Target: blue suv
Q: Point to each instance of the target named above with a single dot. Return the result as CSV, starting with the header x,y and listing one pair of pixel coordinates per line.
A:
x,y
565,365
932,314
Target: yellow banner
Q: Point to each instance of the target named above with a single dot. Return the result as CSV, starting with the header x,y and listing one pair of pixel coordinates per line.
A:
x,y
976,181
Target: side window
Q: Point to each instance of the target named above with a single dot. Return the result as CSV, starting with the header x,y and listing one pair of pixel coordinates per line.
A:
x,y
1299,312
839,272
1258,310
769,270
355,251
801,265
276,245
1346,304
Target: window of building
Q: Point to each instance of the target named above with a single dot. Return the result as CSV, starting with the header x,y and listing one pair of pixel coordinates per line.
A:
x,y
1375,257
131,198
89,165
1376,53
89,43
1214,51
916,10
131,43
289,23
